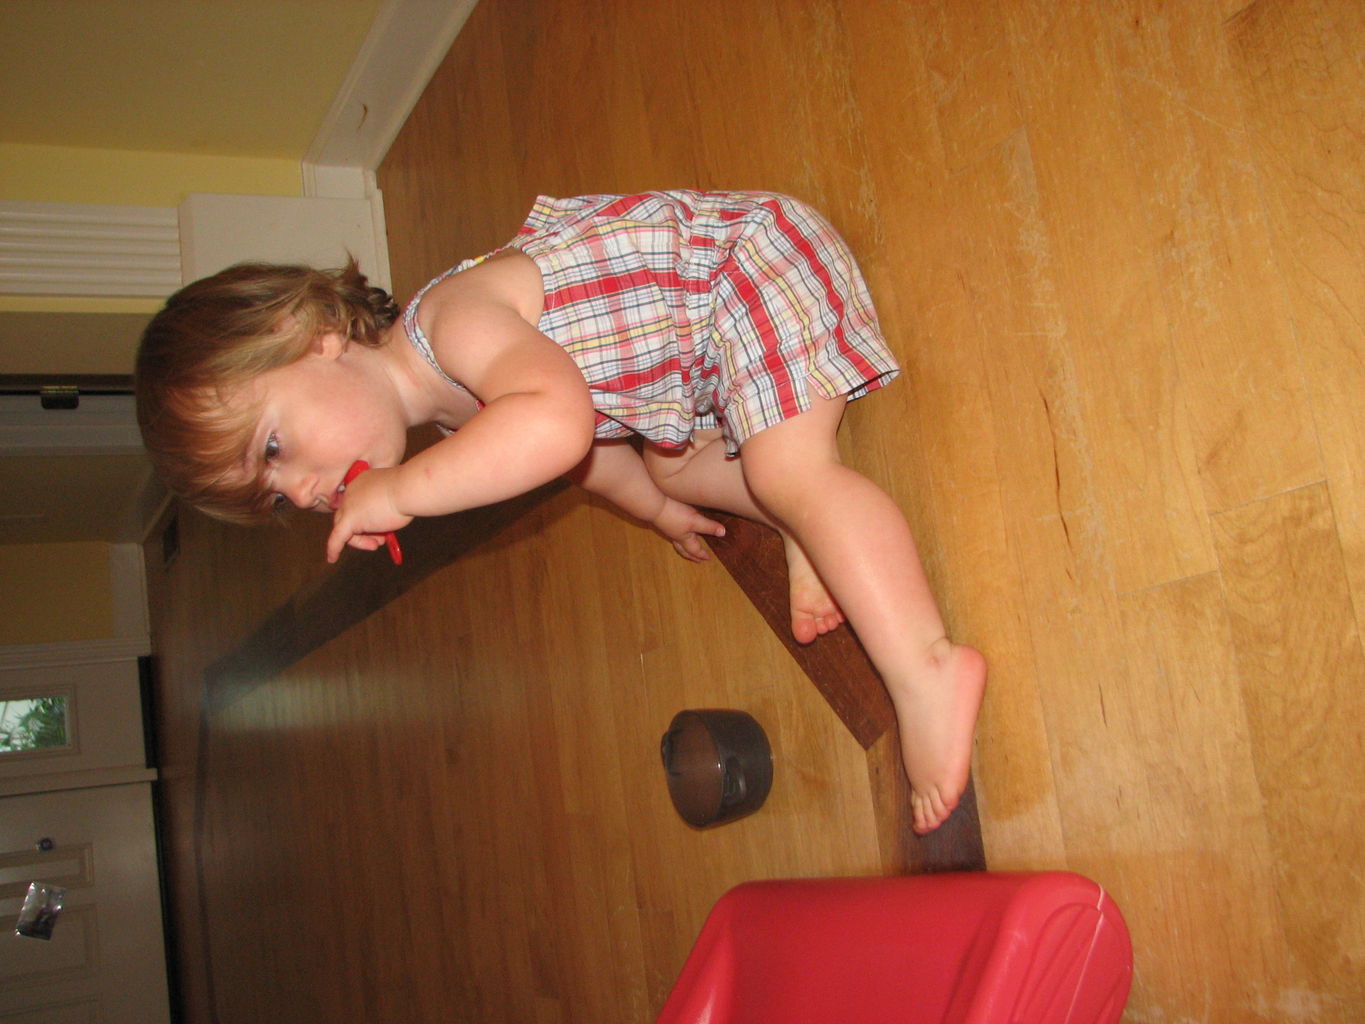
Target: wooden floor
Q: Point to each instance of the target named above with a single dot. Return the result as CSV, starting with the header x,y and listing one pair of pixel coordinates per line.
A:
x,y
1119,249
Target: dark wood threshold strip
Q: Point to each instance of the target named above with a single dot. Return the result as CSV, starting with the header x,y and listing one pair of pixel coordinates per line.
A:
x,y
752,554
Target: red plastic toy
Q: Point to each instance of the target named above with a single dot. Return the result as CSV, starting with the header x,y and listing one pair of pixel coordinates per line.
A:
x,y
390,539
972,948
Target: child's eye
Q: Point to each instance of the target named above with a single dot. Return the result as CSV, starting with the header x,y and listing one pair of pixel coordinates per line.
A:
x,y
272,447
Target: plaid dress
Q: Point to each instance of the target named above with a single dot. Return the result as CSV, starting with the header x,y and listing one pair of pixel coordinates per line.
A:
x,y
689,310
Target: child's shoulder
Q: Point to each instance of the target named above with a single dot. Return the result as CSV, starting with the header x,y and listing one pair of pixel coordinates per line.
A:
x,y
506,279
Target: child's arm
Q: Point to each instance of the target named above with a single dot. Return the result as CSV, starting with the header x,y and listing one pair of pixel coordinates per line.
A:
x,y
536,425
615,471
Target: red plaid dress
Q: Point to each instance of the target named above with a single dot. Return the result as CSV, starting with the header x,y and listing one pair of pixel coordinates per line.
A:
x,y
687,310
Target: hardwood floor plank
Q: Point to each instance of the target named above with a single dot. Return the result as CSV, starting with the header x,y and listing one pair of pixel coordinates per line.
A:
x,y
1240,376
1115,326
1302,667
1302,78
1186,785
976,103
1062,635
934,428
334,601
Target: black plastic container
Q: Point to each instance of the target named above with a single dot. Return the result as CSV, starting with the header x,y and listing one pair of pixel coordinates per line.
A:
x,y
718,763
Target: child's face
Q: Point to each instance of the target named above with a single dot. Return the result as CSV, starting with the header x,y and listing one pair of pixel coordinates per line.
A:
x,y
317,416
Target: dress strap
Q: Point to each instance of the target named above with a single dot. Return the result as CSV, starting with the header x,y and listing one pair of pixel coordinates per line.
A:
x,y
418,337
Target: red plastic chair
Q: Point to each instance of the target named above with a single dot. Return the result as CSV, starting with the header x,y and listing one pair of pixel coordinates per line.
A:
x,y
975,948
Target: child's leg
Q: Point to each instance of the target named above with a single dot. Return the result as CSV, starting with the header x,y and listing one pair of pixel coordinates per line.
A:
x,y
702,475
862,547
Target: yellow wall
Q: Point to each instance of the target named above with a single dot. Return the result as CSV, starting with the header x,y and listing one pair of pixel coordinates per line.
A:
x,y
68,174
54,593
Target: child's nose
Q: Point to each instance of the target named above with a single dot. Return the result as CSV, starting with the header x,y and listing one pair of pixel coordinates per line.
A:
x,y
301,490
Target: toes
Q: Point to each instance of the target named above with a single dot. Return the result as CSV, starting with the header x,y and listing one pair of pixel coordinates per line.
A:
x,y
805,629
807,626
930,810
947,805
922,815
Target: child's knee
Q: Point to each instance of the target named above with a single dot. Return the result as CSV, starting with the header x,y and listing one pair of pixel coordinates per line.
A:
x,y
783,479
769,479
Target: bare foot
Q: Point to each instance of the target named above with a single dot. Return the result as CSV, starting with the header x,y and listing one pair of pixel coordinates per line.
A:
x,y
814,610
936,712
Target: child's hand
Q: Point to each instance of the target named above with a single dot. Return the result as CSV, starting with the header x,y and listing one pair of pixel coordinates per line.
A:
x,y
684,525
366,512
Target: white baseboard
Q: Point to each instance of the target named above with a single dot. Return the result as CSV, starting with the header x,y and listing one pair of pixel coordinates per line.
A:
x,y
76,652
406,44
128,587
323,181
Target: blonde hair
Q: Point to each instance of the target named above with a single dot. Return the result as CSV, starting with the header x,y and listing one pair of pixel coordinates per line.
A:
x,y
216,336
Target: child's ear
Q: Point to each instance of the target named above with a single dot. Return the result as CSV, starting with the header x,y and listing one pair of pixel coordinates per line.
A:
x,y
329,344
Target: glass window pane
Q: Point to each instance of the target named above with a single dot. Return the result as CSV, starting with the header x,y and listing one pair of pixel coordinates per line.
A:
x,y
32,723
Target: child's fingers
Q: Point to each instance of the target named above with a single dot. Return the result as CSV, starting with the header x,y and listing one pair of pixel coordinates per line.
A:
x,y
341,537
692,547
359,541
336,540
705,525
682,550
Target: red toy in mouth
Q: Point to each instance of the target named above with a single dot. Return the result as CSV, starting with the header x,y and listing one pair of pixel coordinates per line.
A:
x,y
390,539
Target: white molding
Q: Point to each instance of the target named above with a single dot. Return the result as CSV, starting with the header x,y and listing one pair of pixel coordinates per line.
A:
x,y
406,43
322,181
83,249
381,238
77,652
157,516
128,582
92,778
219,230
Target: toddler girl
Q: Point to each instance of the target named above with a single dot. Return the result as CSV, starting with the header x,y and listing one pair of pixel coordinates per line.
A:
x,y
723,332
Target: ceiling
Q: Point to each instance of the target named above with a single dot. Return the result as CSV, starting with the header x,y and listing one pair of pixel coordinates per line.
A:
x,y
238,77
